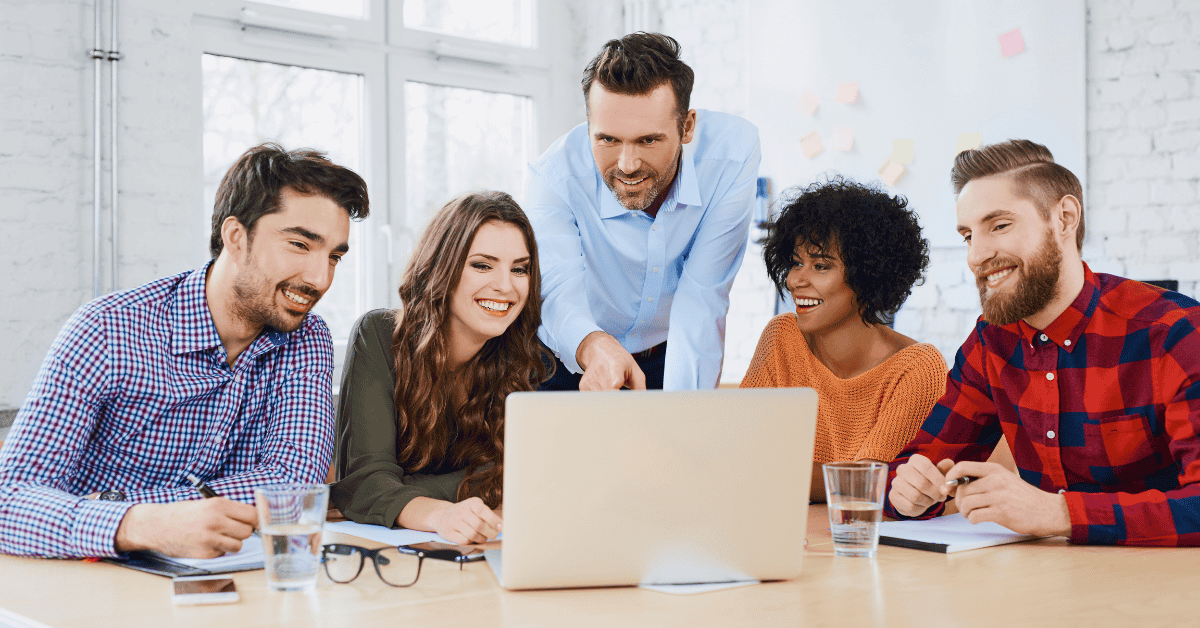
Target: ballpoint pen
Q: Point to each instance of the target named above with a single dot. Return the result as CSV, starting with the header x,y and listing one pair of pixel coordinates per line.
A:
x,y
962,480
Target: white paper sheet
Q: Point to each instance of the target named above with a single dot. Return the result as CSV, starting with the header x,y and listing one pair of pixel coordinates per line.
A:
x,y
381,534
953,532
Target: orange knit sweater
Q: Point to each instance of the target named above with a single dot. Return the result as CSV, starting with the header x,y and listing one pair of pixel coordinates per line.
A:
x,y
872,415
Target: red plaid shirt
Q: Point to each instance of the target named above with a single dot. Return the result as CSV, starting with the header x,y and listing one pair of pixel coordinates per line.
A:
x,y
1103,406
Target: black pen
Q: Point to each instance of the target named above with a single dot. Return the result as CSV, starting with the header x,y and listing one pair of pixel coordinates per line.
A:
x,y
962,480
201,487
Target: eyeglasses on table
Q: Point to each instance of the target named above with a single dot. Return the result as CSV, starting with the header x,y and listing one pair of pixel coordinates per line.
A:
x,y
395,568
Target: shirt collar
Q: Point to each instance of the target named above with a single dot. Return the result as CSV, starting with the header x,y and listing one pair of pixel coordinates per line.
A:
x,y
1066,330
685,189
191,323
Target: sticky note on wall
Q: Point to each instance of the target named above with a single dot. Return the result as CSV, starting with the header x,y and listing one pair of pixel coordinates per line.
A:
x,y
843,138
1011,43
891,172
968,141
811,145
809,102
847,92
902,151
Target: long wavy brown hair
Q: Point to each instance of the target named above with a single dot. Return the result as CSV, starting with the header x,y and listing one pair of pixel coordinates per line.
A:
x,y
434,429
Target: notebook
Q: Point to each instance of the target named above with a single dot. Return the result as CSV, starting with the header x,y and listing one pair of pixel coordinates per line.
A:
x,y
949,534
249,558
655,487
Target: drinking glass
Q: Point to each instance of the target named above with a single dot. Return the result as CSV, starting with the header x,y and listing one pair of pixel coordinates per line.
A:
x,y
291,516
854,494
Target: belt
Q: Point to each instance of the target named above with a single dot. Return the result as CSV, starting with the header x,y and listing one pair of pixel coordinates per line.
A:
x,y
642,356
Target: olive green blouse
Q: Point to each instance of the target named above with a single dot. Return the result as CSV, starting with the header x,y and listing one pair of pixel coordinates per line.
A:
x,y
371,486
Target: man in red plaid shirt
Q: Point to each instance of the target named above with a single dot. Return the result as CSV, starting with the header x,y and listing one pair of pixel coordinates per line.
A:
x,y
1093,380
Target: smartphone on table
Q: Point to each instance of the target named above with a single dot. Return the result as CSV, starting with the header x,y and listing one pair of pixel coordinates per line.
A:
x,y
216,589
445,551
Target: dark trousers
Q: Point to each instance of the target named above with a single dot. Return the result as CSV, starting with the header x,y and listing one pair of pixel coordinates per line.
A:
x,y
651,362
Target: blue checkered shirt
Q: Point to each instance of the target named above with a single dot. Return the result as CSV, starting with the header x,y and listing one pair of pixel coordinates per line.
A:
x,y
135,394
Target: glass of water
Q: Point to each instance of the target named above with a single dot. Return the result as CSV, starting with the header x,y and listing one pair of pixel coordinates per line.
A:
x,y
291,516
854,494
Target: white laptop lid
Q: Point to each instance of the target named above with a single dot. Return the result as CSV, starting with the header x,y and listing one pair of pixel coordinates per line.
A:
x,y
656,487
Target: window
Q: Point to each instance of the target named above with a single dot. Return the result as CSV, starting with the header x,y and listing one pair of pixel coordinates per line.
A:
x,y
427,99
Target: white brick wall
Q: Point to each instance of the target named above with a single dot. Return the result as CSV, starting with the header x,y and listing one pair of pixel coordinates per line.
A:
x,y
46,165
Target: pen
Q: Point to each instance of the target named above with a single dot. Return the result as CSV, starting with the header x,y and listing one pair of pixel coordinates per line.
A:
x,y
201,487
962,480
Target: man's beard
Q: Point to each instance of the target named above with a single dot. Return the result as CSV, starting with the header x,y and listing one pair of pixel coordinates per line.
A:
x,y
639,201
1037,285
255,302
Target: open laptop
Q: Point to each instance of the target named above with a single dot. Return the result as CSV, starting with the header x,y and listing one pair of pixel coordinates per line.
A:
x,y
655,487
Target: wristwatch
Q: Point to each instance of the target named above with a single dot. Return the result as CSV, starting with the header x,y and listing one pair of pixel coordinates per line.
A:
x,y
112,496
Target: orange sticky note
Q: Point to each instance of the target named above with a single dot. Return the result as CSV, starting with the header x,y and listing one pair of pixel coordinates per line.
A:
x,y
811,145
809,102
968,141
891,172
843,138
1011,43
902,151
847,92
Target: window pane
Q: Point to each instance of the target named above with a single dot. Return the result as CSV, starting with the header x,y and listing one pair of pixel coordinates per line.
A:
x,y
462,140
501,21
247,103
342,8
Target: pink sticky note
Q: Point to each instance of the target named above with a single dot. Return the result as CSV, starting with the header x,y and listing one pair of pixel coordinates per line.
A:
x,y
847,92
811,144
891,172
1011,43
809,102
843,138
968,141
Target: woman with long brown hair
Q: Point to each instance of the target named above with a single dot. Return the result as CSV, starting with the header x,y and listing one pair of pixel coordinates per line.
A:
x,y
420,421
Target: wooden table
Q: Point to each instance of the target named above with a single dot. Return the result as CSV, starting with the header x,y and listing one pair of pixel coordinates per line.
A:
x,y
1039,583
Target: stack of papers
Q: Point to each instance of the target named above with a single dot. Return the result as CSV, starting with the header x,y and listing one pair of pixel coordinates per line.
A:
x,y
949,534
249,557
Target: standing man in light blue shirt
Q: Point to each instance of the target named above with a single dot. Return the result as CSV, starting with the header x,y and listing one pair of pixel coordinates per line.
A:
x,y
642,217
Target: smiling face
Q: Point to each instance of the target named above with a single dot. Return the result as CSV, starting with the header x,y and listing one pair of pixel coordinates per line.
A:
x,y
636,142
492,290
289,260
823,299
1011,250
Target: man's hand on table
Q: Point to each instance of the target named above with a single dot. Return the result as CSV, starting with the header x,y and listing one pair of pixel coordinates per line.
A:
x,y
1001,496
201,528
607,365
918,485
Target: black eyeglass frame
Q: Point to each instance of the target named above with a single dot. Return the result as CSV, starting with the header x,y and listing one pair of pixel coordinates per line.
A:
x,y
373,554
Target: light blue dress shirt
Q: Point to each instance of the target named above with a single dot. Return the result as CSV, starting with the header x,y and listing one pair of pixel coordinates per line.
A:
x,y
641,279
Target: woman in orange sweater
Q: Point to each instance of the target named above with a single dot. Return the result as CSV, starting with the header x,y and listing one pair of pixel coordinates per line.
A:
x,y
848,255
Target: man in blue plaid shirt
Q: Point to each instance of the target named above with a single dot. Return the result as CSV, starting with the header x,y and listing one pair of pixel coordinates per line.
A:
x,y
219,372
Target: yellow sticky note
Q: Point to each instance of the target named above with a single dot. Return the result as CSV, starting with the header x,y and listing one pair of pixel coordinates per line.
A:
x,y
902,151
809,102
811,145
968,141
843,138
847,92
891,172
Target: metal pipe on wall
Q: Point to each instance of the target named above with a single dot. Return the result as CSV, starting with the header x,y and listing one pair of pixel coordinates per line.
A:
x,y
97,60
99,56
113,57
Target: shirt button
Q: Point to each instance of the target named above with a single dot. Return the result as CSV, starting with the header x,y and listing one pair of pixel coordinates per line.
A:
x,y
1050,376
1050,434
655,227
649,298
656,269
1044,338
1067,342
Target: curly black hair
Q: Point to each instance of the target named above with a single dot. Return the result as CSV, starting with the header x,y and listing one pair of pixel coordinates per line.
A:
x,y
876,236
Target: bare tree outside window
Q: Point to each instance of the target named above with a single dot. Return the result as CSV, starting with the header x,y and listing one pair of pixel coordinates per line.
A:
x,y
462,140
247,103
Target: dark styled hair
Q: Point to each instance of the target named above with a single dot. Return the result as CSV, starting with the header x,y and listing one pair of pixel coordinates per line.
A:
x,y
637,64
433,427
876,236
250,190
1031,168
